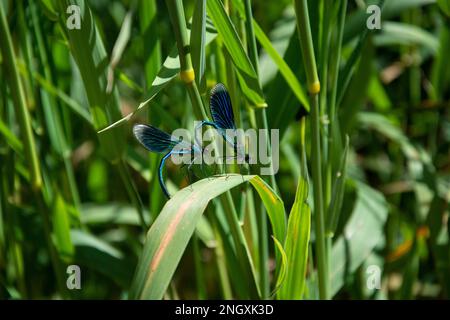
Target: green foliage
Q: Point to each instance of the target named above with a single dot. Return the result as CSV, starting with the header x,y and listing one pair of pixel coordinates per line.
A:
x,y
76,188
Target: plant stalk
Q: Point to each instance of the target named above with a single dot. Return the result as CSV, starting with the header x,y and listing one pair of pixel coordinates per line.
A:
x,y
306,44
17,93
177,17
261,121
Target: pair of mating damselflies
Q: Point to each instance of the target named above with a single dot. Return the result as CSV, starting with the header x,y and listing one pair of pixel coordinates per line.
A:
x,y
156,140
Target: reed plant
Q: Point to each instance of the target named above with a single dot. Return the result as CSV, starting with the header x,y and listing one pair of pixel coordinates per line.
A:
x,y
358,202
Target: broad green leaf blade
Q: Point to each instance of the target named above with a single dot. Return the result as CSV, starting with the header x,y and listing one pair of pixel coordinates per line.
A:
x,y
198,43
283,67
274,206
362,233
296,244
246,73
170,233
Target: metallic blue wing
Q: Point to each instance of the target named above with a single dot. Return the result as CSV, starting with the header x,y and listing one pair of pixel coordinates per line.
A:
x,y
159,141
221,109
154,139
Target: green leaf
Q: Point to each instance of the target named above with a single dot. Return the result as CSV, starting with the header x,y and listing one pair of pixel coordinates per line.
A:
x,y
362,233
168,71
89,53
198,43
51,89
351,94
170,233
274,206
205,232
119,48
49,9
111,213
296,244
247,76
396,33
283,67
380,123
392,8
100,256
283,268
61,229
122,39
11,138
378,95
335,206
286,102
440,74
445,6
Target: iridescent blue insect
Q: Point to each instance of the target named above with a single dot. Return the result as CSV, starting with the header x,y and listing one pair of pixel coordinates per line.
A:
x,y
223,117
156,140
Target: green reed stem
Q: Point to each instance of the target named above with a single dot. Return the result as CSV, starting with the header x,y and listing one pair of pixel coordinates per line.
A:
x,y
177,17
321,252
23,118
252,48
333,96
89,53
337,62
176,13
54,257
306,44
242,251
8,217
